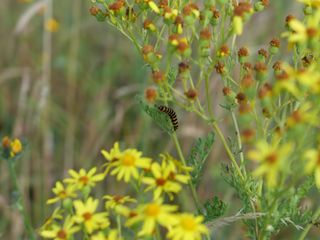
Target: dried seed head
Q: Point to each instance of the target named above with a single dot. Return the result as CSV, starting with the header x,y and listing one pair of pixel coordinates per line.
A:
x,y
183,67
146,49
247,81
260,67
6,142
94,10
248,134
224,51
191,94
219,68
226,91
241,97
151,94
263,53
158,76
265,90
244,108
247,66
205,34
277,66
275,42
243,52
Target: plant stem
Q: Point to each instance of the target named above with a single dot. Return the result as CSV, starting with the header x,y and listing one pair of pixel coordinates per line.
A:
x,y
316,215
119,226
19,202
192,188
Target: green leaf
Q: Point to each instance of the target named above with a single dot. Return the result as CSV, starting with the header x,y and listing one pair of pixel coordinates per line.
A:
x,y
198,156
160,118
172,76
214,208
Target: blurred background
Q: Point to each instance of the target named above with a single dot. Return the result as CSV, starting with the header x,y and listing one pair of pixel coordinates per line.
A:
x,y
67,87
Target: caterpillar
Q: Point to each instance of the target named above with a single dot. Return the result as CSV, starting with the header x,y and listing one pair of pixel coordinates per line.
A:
x,y
171,113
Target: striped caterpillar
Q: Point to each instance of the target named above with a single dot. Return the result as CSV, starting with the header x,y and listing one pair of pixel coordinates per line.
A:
x,y
171,113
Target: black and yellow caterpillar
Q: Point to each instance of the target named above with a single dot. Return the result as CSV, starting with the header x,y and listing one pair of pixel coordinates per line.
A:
x,y
172,114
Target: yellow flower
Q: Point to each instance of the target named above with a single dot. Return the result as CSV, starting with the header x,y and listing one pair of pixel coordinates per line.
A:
x,y
152,214
127,165
237,25
113,202
57,214
312,3
113,235
305,114
153,6
61,232
52,25
113,156
300,32
164,179
313,165
271,158
188,227
16,147
62,192
83,179
85,213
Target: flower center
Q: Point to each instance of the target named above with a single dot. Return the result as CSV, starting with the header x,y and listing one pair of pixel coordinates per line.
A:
x,y
62,194
160,181
188,223
84,180
61,234
271,158
117,198
152,210
87,216
128,160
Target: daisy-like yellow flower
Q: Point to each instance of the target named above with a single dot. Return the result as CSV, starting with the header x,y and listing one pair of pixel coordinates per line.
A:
x,y
300,32
62,192
86,214
113,202
112,235
152,214
311,3
305,114
16,147
61,232
188,227
128,164
56,215
271,158
313,165
52,25
83,179
165,179
112,157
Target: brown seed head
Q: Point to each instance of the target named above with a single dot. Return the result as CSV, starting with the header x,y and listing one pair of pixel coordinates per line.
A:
x,y
275,42
6,142
241,97
263,53
183,67
219,68
151,94
191,94
260,67
247,81
277,66
243,52
94,10
226,91
205,34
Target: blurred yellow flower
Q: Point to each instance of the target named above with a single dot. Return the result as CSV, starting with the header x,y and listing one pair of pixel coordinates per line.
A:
x,y
165,179
52,25
61,232
16,147
237,25
112,157
152,214
271,158
85,213
128,164
62,192
313,165
117,200
305,114
313,3
188,227
83,179
112,235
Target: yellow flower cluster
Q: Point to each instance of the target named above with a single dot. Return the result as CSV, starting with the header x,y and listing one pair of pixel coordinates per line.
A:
x,y
79,213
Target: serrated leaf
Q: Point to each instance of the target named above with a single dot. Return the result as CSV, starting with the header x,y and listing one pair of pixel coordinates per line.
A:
x,y
198,156
214,208
172,76
160,118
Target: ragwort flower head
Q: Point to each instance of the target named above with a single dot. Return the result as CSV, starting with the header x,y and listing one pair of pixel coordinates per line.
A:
x,y
62,192
83,178
188,227
86,214
152,214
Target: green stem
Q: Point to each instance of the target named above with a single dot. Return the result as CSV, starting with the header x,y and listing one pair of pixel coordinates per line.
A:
x,y
316,215
119,226
19,202
192,188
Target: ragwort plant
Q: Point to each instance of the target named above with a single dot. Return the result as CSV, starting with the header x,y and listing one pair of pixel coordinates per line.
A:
x,y
273,105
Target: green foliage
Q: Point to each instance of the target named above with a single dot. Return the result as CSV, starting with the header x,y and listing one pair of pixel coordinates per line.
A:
x,y
160,118
172,76
198,156
214,208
